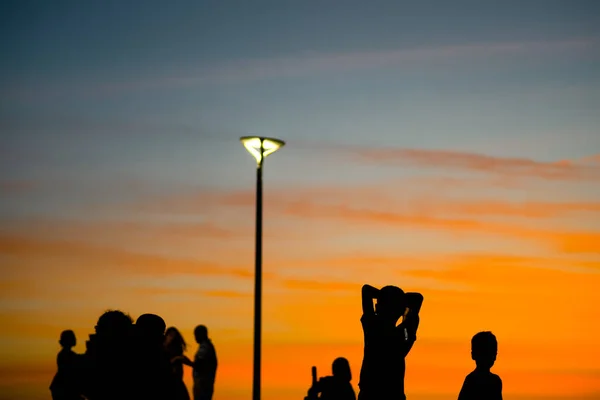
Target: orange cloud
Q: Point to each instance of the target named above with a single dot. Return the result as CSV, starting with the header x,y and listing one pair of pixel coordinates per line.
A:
x,y
571,242
194,293
114,259
100,229
509,166
529,209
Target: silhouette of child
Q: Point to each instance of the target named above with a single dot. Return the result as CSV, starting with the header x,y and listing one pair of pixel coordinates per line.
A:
x,y
482,383
64,386
335,387
387,345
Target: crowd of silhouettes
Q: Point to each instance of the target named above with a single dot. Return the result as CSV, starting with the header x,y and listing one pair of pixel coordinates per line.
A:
x,y
145,360
127,360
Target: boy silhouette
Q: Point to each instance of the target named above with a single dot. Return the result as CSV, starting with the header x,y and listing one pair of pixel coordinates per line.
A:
x,y
387,345
482,383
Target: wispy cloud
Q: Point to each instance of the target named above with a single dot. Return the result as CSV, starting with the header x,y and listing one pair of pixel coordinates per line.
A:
x,y
391,205
108,259
568,241
8,187
475,162
316,63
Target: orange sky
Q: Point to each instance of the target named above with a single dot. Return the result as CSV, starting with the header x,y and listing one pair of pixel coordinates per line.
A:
x,y
527,270
452,150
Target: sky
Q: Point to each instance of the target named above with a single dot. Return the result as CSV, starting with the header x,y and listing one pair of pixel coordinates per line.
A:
x,y
449,148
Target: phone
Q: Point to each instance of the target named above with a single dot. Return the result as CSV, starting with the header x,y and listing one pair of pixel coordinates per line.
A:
x,y
314,375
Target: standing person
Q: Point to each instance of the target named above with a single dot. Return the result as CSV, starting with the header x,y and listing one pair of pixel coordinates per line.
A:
x,y
175,346
65,385
204,364
482,383
385,344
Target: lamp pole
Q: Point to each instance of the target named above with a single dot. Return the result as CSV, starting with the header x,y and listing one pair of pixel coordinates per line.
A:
x,y
258,285
260,148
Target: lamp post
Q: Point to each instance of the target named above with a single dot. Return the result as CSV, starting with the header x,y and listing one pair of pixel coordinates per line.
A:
x,y
260,148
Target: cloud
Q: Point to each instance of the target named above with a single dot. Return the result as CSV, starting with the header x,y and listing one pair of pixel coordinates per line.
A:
x,y
8,187
400,206
321,285
314,63
106,259
567,241
121,231
194,293
527,209
468,161
413,194
493,272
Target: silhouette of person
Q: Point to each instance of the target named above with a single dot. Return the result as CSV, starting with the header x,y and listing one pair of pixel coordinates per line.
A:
x,y
155,379
335,387
482,383
204,364
175,346
65,385
385,344
108,359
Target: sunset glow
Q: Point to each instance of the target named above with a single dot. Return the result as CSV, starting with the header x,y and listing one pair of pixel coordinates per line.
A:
x,y
464,166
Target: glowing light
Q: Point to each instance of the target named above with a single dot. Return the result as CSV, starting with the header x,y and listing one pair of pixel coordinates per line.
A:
x,y
261,147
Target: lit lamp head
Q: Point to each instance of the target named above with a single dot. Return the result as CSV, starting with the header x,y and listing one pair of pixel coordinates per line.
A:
x,y
261,147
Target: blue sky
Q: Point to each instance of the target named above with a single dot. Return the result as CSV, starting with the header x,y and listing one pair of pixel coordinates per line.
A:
x,y
96,91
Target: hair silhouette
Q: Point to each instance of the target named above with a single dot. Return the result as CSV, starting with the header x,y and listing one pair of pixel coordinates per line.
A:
x,y
482,383
484,349
200,333
67,339
175,346
341,369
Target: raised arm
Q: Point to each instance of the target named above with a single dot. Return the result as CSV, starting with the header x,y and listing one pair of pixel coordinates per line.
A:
x,y
368,294
414,302
411,320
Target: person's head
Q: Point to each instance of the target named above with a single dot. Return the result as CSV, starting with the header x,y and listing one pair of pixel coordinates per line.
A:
x,y
174,339
201,333
391,303
150,328
341,369
113,324
67,339
484,349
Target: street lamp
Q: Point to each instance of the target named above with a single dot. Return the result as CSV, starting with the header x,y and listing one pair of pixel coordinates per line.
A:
x,y
260,148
